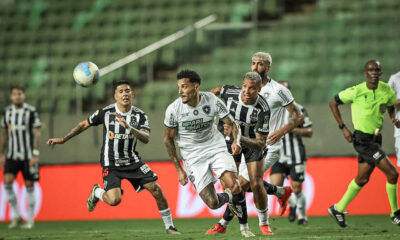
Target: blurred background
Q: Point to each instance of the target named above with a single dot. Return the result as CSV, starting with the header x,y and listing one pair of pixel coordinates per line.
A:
x,y
318,46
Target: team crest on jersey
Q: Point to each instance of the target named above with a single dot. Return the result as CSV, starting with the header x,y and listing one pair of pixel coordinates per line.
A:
x,y
133,121
196,112
206,109
253,116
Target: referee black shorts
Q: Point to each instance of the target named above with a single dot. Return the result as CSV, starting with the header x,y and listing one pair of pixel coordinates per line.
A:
x,y
138,177
368,147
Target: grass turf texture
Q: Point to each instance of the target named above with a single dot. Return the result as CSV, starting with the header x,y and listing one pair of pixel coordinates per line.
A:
x,y
361,227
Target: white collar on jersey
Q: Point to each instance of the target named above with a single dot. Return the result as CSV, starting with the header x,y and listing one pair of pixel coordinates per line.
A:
x,y
240,100
123,114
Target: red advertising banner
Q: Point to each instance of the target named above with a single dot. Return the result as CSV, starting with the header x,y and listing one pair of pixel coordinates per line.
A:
x,y
62,192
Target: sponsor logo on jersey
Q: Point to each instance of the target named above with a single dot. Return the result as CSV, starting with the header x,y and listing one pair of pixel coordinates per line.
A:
x,y
16,127
121,136
196,125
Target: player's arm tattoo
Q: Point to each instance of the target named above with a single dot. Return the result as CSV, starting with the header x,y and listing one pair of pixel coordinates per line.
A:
x,y
82,126
169,136
257,143
4,140
296,115
36,138
143,134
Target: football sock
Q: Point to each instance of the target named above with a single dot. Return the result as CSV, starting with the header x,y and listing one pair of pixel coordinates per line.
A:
x,y
244,226
222,199
99,193
263,216
301,205
240,201
273,190
391,190
292,201
167,218
11,199
224,222
228,216
31,204
350,194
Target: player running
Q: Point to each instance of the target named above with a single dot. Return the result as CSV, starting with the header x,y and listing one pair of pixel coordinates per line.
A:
x,y
292,163
189,121
369,101
124,125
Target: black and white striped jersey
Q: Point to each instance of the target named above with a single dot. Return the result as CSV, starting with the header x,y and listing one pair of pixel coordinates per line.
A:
x,y
119,145
293,150
252,119
20,123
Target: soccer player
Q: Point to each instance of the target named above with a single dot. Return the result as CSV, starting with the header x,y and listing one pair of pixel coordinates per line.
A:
x,y
292,163
20,152
251,112
189,121
124,124
369,101
394,82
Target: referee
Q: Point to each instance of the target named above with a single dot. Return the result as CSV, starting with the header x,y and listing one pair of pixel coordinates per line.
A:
x,y
20,132
369,101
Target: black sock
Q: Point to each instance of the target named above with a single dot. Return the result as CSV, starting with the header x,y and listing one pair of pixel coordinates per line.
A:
x,y
222,199
228,214
271,189
240,201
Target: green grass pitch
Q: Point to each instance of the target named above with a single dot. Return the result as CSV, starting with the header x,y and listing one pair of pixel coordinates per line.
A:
x,y
361,227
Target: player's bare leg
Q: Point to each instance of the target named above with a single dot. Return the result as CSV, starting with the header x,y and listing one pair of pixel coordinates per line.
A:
x,y
112,197
162,205
12,199
256,173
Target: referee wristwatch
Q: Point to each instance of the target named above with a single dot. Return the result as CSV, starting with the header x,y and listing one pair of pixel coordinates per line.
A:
x,y
341,126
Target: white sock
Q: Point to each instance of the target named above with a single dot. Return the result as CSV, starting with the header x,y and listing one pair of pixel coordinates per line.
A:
x,y
280,191
292,202
224,223
263,216
12,200
31,204
99,193
244,226
167,218
301,205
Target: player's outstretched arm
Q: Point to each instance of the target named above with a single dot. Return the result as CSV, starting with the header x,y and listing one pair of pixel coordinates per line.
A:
x,y
257,143
82,126
334,105
169,136
217,90
297,118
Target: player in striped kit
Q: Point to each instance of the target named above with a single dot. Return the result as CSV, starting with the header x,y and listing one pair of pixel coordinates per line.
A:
x,y
124,125
19,152
292,163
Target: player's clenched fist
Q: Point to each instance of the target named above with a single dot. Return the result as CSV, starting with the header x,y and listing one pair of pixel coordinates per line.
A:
x,y
53,141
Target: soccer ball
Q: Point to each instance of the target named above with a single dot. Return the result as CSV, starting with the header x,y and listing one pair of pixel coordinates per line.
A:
x,y
86,74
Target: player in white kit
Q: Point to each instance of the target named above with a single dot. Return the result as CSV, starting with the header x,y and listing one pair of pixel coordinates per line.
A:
x,y
189,121
394,82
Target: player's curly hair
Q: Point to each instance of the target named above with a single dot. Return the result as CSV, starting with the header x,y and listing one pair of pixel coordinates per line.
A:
x,y
192,75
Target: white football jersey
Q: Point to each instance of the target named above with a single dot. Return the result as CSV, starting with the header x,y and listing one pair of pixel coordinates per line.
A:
x,y
197,135
278,97
394,82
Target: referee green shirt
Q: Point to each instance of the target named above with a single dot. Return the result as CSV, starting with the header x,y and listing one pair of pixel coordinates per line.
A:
x,y
368,106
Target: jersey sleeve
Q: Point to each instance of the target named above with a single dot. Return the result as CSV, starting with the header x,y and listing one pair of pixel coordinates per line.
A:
x,y
395,85
144,122
96,118
285,96
170,120
263,122
35,119
222,111
347,95
392,98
